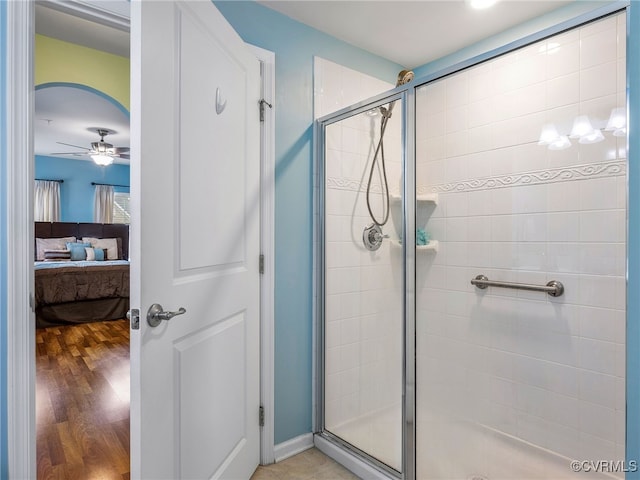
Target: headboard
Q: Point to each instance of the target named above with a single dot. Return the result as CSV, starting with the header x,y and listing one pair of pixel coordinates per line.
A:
x,y
79,230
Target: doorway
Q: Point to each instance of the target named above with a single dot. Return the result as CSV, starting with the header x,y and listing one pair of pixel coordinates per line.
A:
x,y
22,423
81,147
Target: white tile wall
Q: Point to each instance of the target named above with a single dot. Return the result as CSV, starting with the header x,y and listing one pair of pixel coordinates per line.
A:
x,y
363,360
549,371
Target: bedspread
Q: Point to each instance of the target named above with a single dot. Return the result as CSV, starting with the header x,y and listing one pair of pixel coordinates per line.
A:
x,y
64,283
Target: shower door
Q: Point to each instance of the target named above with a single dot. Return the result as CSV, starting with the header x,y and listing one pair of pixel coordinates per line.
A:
x,y
520,177
363,275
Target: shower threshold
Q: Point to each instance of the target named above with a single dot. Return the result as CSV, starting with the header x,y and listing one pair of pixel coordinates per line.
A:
x,y
490,454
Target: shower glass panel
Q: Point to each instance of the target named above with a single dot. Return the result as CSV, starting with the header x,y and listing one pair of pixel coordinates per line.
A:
x,y
363,283
520,177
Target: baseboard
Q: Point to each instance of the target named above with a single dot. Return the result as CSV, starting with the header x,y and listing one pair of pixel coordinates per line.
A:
x,y
292,447
351,462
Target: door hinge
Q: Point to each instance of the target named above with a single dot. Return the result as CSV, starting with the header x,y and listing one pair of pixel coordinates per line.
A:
x,y
261,264
261,416
262,103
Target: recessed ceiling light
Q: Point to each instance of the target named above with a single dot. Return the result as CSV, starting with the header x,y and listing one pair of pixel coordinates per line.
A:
x,y
481,4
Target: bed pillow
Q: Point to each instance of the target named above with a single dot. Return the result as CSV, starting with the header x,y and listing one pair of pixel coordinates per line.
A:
x,y
78,251
57,255
94,254
109,245
43,244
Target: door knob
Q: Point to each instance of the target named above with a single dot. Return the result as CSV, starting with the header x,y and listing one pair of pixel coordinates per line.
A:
x,y
156,314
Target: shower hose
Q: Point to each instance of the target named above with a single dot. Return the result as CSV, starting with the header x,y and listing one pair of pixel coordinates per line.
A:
x,y
386,115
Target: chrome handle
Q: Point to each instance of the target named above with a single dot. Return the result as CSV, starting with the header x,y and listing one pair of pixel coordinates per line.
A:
x,y
156,314
378,237
373,236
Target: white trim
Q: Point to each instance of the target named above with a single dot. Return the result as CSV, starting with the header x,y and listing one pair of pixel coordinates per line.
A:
x,y
267,244
20,319
135,87
294,446
553,175
114,17
349,461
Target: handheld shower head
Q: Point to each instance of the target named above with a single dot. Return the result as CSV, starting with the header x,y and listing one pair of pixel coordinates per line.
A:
x,y
405,76
373,236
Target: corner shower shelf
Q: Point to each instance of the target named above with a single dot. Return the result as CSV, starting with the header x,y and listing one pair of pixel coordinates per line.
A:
x,y
425,199
432,246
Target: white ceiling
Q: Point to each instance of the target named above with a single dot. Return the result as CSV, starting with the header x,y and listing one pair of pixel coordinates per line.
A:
x,y
409,33
72,115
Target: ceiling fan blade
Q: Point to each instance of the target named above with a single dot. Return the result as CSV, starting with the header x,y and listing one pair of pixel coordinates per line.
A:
x,y
69,153
71,145
121,149
125,156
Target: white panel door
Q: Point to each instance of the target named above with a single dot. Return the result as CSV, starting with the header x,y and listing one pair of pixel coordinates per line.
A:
x,y
195,244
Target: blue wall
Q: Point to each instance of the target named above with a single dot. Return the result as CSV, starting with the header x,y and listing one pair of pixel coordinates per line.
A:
x,y
4,467
76,193
295,45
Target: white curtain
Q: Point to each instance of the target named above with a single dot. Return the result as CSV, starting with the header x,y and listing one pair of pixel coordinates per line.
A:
x,y
103,204
46,201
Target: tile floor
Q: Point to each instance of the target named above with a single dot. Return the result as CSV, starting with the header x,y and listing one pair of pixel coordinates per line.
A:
x,y
311,464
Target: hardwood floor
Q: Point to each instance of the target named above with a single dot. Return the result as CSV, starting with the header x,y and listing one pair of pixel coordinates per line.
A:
x,y
82,401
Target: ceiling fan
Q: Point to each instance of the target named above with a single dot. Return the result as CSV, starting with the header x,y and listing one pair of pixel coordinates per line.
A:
x,y
101,152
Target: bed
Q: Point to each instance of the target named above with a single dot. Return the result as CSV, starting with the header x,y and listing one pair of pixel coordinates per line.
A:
x,y
79,291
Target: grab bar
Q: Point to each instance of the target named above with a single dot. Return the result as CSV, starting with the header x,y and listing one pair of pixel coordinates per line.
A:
x,y
553,288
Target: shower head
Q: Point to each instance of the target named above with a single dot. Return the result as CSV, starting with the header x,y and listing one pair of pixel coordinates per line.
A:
x,y
405,76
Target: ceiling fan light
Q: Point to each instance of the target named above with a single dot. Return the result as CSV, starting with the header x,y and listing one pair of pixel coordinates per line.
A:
x,y
102,160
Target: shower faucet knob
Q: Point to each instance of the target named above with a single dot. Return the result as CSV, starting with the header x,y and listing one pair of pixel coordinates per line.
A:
x,y
372,237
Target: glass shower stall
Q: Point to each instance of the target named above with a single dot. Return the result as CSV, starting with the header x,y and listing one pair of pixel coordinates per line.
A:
x,y
471,279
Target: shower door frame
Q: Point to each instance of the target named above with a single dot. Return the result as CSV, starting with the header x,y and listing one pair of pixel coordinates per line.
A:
x,y
407,94
631,388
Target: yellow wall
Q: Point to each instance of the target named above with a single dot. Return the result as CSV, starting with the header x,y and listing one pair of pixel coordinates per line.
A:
x,y
58,61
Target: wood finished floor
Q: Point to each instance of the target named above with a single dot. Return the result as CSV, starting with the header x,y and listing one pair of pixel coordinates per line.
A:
x,y
82,410
82,401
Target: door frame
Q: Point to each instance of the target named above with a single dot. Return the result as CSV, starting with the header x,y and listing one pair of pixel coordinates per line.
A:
x,y
21,438
267,249
21,431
